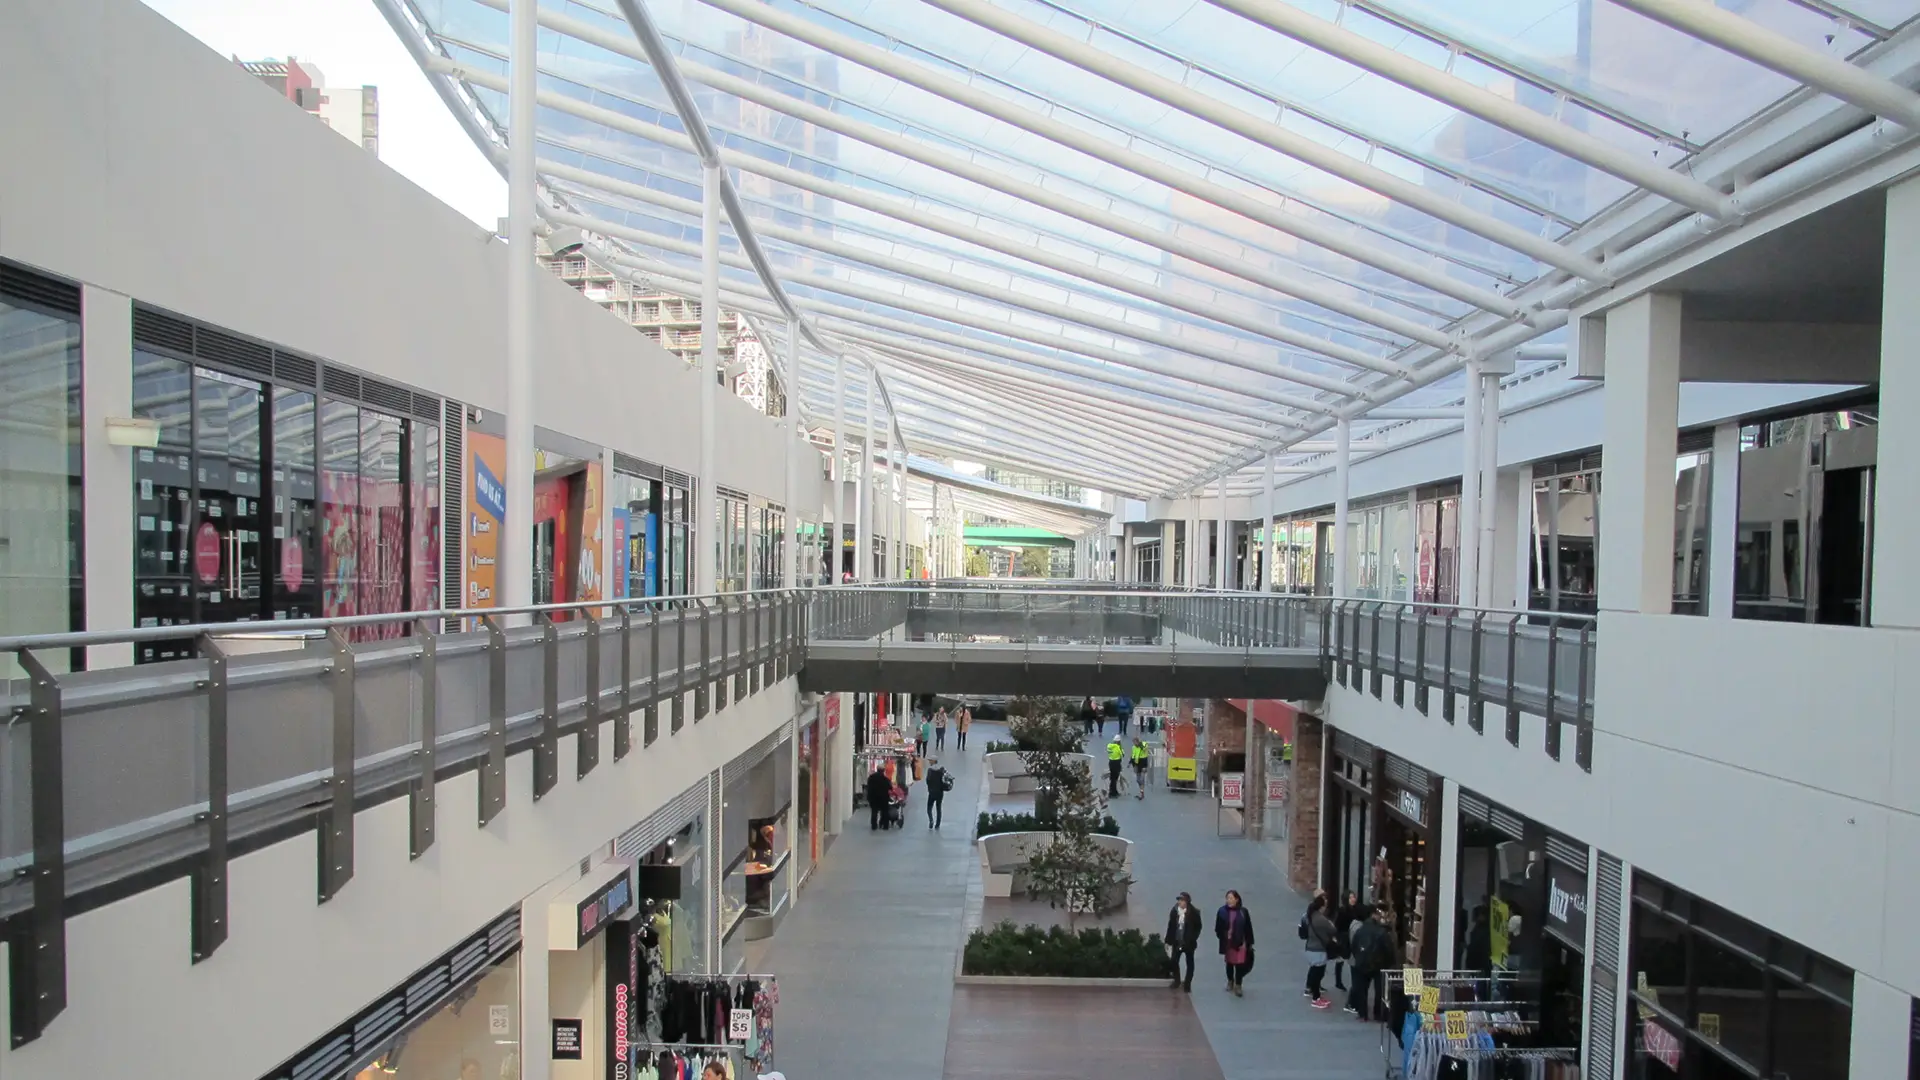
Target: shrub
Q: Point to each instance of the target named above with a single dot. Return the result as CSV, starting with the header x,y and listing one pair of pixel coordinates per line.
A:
x,y
998,746
1093,953
1005,822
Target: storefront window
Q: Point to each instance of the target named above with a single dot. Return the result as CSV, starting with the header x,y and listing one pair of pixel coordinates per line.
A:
x,y
1565,542
679,921
40,475
1717,995
636,536
475,1036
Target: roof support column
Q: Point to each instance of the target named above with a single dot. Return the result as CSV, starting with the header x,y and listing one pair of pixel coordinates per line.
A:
x,y
790,560
864,505
1169,537
515,575
1265,582
1893,592
1637,457
706,522
1723,518
1489,481
836,540
1342,485
1468,526
1223,545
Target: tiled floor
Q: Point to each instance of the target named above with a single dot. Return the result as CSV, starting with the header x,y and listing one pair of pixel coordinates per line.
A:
x,y
866,963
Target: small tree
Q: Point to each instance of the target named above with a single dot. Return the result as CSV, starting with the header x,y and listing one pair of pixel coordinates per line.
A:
x,y
1070,870
1046,733
978,565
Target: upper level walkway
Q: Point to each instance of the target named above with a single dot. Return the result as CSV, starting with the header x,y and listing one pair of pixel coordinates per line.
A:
x,y
122,780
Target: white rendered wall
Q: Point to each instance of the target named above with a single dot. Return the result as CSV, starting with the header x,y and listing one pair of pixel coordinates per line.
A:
x,y
155,168
293,968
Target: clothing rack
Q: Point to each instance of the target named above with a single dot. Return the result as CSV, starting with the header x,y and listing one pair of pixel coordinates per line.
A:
x,y
1496,984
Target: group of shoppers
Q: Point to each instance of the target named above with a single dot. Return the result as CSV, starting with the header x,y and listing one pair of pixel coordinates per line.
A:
x,y
1094,715
1349,933
931,733
887,796
1232,928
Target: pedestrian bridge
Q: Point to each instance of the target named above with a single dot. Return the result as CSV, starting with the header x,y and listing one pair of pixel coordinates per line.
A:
x,y
120,780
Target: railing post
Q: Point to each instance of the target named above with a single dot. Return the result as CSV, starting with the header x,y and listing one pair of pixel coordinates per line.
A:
x,y
493,774
1553,672
623,720
420,809
1375,677
586,744
1328,651
1446,668
1476,699
207,886
1513,681
1399,656
336,825
720,680
1583,738
680,688
702,676
546,743
1420,661
779,649
38,983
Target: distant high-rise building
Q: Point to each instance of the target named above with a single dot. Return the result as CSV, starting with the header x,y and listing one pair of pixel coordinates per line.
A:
x,y
673,322
354,112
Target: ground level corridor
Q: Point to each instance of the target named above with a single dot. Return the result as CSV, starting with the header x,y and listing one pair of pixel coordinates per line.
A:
x,y
868,958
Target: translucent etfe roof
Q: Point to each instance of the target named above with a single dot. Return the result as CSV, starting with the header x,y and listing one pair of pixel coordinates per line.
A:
x,y
1139,243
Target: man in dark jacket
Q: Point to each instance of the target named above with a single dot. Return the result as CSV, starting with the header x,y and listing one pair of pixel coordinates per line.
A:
x,y
1183,937
878,788
937,784
1373,953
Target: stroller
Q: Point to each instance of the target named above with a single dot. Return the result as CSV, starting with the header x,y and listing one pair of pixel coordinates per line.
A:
x,y
897,806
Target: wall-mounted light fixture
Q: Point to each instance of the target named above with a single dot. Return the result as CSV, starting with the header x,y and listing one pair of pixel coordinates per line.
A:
x,y
129,431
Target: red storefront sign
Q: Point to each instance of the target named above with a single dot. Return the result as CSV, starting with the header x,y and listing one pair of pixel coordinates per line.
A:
x,y
830,713
1278,716
206,553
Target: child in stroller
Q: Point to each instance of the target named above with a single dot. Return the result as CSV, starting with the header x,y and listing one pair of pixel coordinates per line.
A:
x,y
897,806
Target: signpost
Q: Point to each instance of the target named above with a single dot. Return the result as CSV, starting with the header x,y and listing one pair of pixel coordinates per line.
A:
x,y
1233,796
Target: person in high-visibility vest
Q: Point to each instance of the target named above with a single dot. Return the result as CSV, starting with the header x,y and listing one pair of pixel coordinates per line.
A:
x,y
1139,768
1114,753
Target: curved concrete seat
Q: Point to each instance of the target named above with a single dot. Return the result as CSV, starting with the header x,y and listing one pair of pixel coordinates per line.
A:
x,y
1003,860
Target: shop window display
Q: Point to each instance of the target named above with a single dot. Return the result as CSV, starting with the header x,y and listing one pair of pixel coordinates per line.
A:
x,y
1715,995
475,1036
40,475
678,920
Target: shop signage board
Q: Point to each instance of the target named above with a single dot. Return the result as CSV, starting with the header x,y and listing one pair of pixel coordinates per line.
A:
x,y
1413,806
1456,1024
739,1025
607,901
1660,1044
1411,981
1233,793
1567,903
1429,1000
567,1039
499,1020
830,712
1182,770
1276,790
1708,1025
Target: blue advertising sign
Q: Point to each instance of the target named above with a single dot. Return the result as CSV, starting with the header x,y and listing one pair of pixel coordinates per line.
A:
x,y
488,491
653,555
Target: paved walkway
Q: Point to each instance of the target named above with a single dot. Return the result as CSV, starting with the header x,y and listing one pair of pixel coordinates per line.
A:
x,y
866,960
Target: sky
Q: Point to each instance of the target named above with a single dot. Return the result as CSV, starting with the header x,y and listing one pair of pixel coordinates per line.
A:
x,y
353,45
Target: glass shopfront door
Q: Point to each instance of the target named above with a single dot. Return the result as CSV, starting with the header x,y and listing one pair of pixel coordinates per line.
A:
x,y
200,525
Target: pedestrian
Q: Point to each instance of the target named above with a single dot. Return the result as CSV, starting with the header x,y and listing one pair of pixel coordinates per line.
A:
x,y
961,723
1344,918
1139,768
939,782
1089,716
923,737
1183,938
1233,925
1373,953
1479,947
715,1070
1320,936
1123,708
878,792
940,730
1114,754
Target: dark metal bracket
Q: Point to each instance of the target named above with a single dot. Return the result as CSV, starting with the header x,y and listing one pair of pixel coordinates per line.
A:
x,y
207,883
336,822
493,774
37,958
420,809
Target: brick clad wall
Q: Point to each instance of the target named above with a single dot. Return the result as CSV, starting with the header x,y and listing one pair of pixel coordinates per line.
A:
x,y
1303,804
